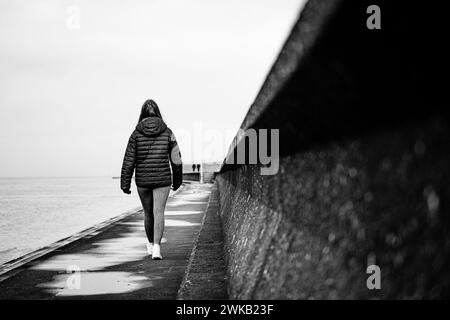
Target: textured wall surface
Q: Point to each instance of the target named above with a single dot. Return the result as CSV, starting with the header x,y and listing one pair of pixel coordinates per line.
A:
x,y
364,161
311,230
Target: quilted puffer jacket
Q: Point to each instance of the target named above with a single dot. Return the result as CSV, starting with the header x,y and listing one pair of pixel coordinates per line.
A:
x,y
152,151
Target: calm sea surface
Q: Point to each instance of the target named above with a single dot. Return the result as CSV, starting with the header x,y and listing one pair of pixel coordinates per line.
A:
x,y
35,212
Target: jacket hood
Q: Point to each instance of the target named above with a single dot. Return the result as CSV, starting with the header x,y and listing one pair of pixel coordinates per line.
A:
x,y
151,126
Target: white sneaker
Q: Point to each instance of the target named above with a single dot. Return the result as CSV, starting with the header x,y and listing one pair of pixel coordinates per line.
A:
x,y
156,252
150,248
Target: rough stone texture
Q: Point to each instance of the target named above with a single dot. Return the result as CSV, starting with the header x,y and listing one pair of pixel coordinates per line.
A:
x,y
364,161
205,274
311,230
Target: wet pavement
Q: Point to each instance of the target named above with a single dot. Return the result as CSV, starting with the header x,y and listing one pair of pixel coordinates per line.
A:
x,y
114,264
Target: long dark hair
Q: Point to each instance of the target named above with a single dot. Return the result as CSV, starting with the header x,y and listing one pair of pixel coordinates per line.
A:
x,y
149,109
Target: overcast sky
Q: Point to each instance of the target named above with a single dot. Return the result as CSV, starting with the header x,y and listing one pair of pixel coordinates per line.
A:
x,y
74,74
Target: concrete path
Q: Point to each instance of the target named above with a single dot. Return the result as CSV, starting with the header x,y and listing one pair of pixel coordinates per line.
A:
x,y
205,277
114,264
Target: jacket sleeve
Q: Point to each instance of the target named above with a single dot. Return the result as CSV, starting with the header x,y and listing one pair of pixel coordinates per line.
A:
x,y
129,162
175,162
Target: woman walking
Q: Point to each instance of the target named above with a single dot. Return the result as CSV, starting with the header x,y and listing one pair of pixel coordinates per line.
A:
x,y
151,148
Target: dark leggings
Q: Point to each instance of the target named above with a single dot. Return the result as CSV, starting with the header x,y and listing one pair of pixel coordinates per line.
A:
x,y
154,202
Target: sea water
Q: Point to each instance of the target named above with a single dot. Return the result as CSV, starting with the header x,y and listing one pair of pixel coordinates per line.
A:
x,y
35,212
